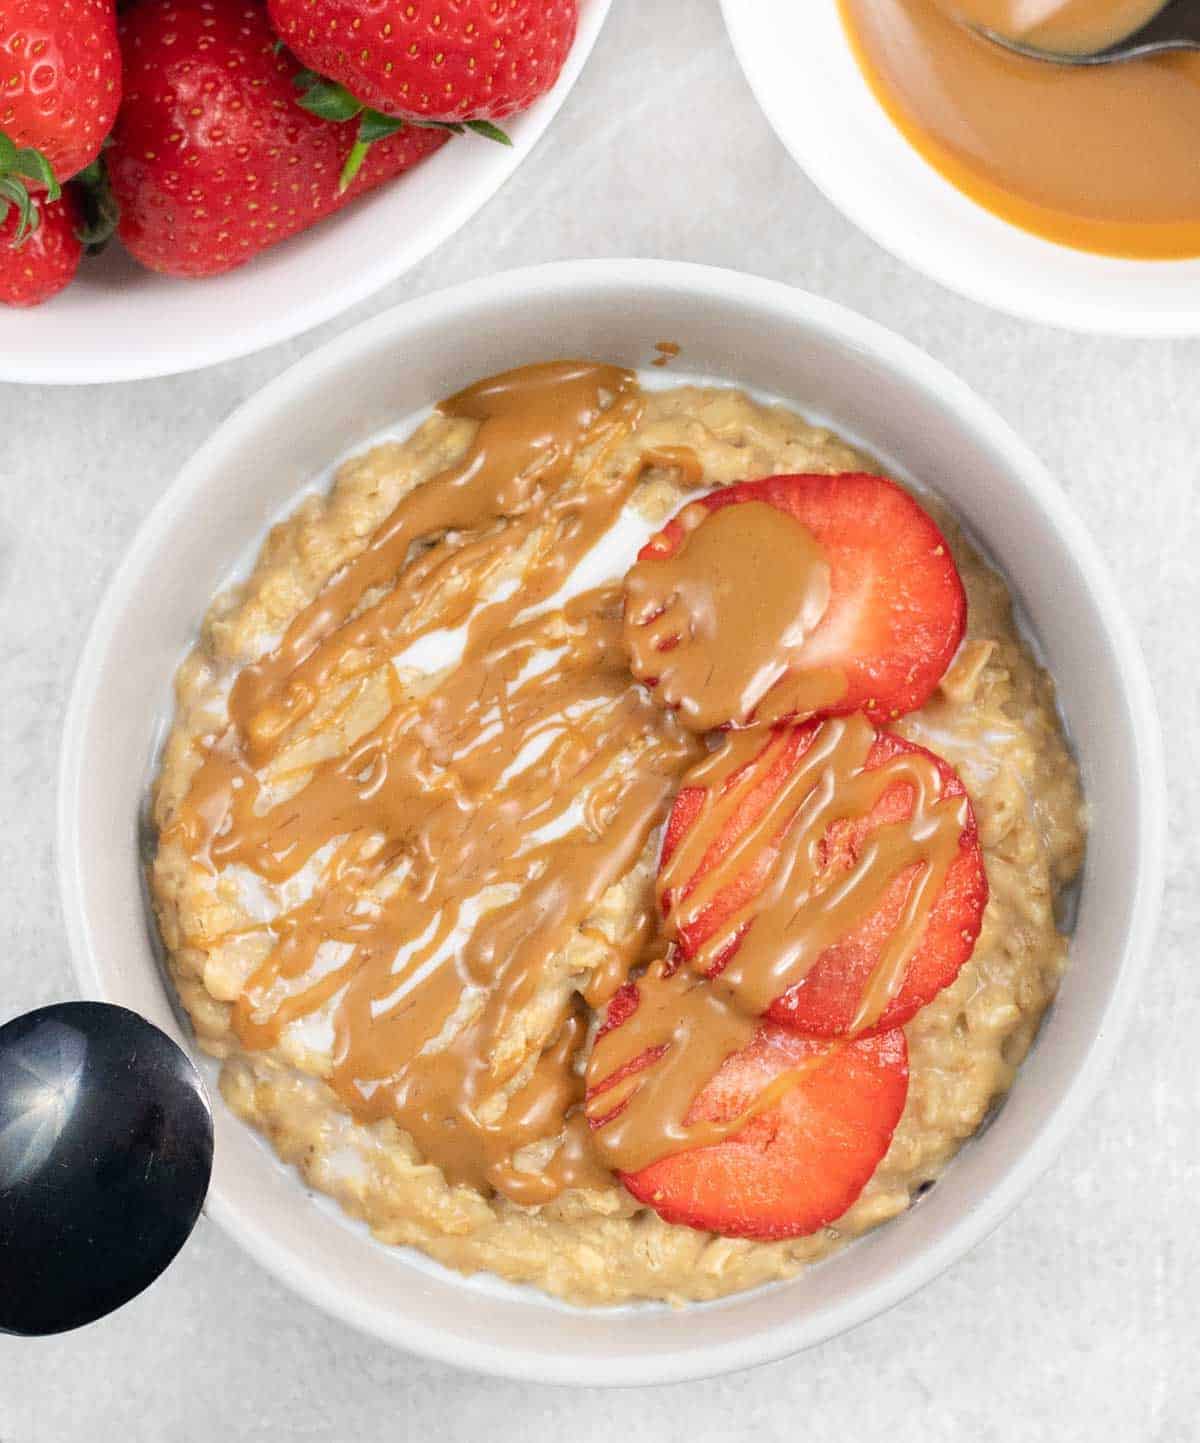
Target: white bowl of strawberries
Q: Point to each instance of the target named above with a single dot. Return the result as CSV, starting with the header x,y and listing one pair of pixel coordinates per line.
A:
x,y
204,157
924,426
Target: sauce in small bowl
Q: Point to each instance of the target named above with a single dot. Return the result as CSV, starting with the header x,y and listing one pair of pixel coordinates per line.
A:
x,y
1104,159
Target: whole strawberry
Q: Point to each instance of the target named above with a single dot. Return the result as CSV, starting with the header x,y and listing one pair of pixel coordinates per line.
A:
x,y
213,159
433,60
60,79
46,258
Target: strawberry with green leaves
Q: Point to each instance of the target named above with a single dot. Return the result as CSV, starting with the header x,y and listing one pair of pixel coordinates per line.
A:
x,y
455,62
45,232
212,159
60,86
45,259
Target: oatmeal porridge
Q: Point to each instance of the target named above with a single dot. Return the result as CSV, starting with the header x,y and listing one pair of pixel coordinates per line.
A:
x,y
581,804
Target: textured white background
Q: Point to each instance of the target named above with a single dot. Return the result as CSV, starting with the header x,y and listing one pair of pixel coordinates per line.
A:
x,y
1079,1319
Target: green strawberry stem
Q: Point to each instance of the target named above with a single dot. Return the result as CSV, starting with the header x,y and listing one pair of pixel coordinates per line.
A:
x,y
101,213
358,153
334,102
488,131
19,164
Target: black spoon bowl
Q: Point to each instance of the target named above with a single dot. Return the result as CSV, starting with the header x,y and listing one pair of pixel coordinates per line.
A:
x,y
106,1145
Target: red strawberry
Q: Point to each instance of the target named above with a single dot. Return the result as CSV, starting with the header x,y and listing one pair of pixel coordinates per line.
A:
x,y
795,1166
897,607
46,259
434,60
825,1002
213,160
60,79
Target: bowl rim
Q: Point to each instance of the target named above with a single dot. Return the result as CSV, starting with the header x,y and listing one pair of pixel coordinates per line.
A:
x,y
955,268
311,307
1147,848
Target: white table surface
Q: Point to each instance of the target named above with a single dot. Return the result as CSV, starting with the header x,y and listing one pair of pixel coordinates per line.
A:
x,y
1079,1318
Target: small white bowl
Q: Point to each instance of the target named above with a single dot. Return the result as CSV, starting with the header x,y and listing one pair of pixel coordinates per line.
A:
x,y
119,322
799,63
831,363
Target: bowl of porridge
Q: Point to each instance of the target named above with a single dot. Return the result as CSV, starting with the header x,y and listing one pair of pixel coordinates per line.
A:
x,y
643,795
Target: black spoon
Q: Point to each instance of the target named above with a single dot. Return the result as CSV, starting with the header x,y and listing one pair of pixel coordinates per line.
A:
x,y
106,1142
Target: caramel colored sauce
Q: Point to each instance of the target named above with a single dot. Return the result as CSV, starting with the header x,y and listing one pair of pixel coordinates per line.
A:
x,y
1068,27
1101,159
431,821
667,351
530,422
458,836
680,459
689,1027
687,1022
717,626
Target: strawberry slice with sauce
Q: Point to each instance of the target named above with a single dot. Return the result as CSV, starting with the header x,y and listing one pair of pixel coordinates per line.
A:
x,y
896,608
793,1167
828,1001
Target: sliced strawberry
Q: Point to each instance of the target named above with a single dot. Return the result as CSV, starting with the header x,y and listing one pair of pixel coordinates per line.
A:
x,y
826,1001
897,607
797,1165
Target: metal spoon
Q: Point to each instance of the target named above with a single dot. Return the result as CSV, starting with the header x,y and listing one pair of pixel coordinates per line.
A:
x,y
106,1142
1175,27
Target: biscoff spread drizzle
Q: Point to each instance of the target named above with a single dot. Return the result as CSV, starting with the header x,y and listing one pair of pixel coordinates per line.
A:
x,y
830,784
463,837
506,801
687,1022
531,423
716,627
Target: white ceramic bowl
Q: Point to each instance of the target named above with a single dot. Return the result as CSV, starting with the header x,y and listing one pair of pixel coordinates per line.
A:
x,y
800,66
875,387
119,322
